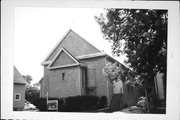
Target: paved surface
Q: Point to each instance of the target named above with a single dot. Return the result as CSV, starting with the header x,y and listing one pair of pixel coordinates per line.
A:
x,y
31,110
127,110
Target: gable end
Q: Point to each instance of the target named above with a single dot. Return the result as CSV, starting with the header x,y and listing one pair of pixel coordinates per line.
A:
x,y
73,43
63,59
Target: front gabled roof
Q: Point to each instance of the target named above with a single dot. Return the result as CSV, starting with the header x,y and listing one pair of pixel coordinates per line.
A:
x,y
18,78
74,44
40,80
74,47
63,59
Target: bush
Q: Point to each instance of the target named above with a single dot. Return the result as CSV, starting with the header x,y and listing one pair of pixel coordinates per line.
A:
x,y
32,93
40,104
74,104
80,103
102,103
153,101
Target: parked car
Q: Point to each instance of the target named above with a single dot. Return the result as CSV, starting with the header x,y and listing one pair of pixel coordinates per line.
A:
x,y
142,102
29,106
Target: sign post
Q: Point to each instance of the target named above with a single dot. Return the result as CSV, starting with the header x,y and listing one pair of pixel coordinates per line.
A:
x,y
51,104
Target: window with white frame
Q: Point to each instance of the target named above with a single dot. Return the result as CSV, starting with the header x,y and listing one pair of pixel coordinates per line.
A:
x,y
17,96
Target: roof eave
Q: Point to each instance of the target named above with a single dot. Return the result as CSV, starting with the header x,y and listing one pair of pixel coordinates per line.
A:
x,y
64,66
91,56
45,60
46,63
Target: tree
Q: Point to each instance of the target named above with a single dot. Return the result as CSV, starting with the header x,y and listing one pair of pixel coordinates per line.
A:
x,y
113,71
32,93
141,35
28,78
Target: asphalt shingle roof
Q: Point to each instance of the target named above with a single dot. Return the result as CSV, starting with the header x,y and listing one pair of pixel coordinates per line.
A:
x,y
18,77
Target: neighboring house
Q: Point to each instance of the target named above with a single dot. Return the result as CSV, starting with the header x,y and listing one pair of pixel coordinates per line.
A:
x,y
74,67
19,91
160,89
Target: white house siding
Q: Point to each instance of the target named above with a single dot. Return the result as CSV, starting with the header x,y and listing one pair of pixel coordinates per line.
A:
x,y
20,89
159,85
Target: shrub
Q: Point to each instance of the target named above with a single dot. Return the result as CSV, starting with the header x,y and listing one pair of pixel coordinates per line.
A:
x,y
71,104
89,102
74,104
153,101
80,103
102,103
60,105
41,104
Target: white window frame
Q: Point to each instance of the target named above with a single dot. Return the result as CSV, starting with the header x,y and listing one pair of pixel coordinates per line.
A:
x,y
16,95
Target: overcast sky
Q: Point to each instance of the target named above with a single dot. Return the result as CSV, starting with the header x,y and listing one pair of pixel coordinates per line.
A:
x,y
38,29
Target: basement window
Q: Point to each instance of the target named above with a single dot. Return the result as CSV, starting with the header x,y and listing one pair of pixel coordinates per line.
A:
x,y
63,76
17,97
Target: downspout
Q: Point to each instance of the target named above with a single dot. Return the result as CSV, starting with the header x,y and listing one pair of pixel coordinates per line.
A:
x,y
80,80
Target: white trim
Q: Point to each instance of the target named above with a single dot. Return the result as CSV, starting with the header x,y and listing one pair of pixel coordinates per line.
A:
x,y
69,55
66,33
44,61
63,66
51,107
62,49
19,97
91,55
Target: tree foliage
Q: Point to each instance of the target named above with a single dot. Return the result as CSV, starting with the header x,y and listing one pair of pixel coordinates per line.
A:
x,y
141,35
32,93
115,71
28,78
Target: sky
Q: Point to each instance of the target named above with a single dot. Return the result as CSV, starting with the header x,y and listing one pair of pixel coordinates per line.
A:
x,y
38,30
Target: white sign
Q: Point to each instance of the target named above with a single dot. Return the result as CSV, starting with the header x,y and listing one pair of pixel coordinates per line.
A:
x,y
52,105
